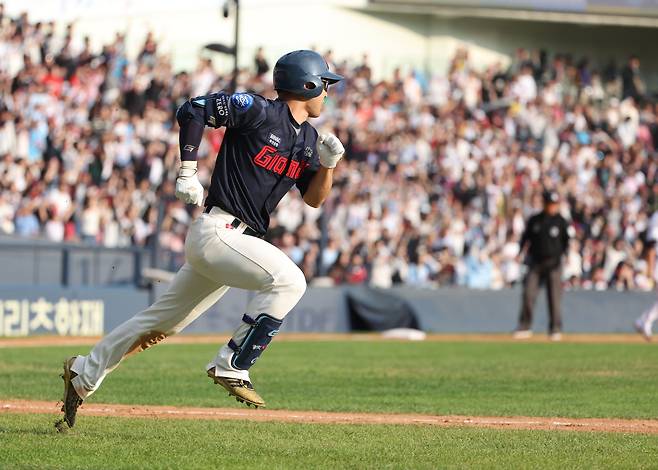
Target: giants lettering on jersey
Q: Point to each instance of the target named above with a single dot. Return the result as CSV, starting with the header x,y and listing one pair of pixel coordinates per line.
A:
x,y
270,160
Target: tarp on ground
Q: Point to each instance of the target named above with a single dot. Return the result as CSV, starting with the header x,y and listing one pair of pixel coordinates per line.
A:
x,y
373,309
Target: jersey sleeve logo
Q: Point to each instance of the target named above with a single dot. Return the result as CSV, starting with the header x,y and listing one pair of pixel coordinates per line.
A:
x,y
242,101
221,103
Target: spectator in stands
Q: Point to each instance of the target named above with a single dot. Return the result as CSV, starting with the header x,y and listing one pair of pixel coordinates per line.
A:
x,y
434,164
260,63
26,223
632,83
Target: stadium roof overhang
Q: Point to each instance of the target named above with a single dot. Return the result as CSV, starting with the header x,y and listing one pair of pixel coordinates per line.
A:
x,y
593,12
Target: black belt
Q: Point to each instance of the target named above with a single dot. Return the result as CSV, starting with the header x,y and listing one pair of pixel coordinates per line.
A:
x,y
236,223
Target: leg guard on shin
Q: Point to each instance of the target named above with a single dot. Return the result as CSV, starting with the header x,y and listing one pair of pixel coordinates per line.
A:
x,y
260,333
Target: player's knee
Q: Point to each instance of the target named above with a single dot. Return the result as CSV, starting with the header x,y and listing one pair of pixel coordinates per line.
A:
x,y
293,282
298,282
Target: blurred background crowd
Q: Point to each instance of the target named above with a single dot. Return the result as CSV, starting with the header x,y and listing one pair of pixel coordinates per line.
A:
x,y
439,176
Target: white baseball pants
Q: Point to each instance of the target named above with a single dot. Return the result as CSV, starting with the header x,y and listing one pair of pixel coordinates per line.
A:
x,y
218,257
649,316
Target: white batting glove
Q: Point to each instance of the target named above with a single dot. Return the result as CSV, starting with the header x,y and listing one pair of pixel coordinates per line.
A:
x,y
330,150
188,187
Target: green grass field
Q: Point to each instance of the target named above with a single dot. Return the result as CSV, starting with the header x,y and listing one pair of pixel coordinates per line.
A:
x,y
28,442
489,379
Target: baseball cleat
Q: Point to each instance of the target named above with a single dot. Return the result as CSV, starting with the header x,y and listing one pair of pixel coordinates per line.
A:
x,y
71,400
522,334
644,328
242,390
555,336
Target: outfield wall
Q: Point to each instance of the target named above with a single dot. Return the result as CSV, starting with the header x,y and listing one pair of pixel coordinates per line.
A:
x,y
27,310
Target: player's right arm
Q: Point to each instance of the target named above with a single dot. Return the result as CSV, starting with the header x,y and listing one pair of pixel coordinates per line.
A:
x,y
240,110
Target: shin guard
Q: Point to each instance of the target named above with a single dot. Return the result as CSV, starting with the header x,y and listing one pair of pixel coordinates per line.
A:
x,y
260,333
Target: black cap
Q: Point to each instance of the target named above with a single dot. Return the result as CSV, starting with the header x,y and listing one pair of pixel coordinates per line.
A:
x,y
551,197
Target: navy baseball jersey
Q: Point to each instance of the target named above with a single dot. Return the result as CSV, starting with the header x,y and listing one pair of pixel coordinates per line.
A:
x,y
264,153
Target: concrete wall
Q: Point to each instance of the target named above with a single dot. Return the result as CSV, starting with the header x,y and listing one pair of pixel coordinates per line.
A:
x,y
449,310
39,262
95,311
461,310
86,267
28,310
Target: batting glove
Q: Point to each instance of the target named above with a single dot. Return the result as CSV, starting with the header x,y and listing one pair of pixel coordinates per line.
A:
x,y
188,188
330,150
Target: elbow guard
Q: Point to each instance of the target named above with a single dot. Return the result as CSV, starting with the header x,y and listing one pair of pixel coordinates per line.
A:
x,y
189,112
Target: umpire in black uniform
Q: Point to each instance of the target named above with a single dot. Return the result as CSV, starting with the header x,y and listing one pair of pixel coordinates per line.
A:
x,y
546,238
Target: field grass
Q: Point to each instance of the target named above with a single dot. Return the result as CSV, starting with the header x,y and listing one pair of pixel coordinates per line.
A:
x,y
28,441
490,379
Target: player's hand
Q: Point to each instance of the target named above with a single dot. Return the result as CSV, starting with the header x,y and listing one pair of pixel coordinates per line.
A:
x,y
188,187
330,150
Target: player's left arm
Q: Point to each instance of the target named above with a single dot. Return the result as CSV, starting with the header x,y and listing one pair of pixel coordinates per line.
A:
x,y
330,151
319,187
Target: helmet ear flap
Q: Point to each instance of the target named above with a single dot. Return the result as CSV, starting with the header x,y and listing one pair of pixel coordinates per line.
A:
x,y
312,86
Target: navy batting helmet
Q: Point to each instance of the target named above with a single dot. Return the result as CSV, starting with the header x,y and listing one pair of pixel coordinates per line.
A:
x,y
302,73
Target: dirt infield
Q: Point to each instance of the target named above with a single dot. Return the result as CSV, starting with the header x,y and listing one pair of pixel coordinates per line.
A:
x,y
35,341
320,417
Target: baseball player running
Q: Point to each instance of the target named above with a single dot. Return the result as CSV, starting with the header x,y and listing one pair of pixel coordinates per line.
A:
x,y
268,147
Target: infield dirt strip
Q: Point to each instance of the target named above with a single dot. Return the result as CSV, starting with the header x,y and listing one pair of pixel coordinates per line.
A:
x,y
320,417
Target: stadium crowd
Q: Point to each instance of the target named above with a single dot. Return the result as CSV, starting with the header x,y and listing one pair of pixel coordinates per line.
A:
x,y
439,176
